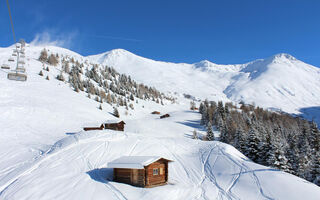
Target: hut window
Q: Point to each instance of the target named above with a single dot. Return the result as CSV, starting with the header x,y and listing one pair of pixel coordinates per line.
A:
x,y
155,171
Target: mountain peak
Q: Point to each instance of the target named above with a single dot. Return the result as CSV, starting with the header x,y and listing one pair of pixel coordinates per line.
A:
x,y
283,56
203,64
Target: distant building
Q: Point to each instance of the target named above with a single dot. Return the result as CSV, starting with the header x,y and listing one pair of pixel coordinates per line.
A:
x,y
142,171
155,113
113,125
164,116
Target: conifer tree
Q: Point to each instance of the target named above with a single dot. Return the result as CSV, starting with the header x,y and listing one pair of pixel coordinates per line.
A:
x,y
116,112
210,135
43,56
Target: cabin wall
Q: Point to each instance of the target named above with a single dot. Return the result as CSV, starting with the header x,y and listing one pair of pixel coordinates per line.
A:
x,y
122,175
116,126
162,176
134,177
138,177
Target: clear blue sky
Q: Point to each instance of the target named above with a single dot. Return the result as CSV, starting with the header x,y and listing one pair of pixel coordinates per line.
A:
x,y
222,31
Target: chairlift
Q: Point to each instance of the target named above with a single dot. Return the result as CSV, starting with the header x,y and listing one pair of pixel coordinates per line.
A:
x,y
5,66
21,62
22,56
11,59
21,69
15,51
15,76
14,54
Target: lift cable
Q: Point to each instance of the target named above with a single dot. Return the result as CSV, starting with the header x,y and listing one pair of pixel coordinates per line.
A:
x,y
14,36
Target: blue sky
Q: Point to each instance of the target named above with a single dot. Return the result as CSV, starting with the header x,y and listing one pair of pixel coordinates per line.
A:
x,y
222,31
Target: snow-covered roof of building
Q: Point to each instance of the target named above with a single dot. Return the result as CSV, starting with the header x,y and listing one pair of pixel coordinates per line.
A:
x,y
98,124
134,162
112,121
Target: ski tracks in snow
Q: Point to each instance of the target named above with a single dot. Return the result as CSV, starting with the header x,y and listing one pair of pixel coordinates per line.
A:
x,y
244,169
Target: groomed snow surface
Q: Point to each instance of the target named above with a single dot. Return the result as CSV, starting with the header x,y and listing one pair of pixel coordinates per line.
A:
x,y
45,155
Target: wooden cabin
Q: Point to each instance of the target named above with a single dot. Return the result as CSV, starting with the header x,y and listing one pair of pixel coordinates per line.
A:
x,y
113,125
155,113
94,128
141,171
164,116
118,126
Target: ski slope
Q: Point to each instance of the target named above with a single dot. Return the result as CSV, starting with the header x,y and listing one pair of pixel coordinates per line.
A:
x,y
45,155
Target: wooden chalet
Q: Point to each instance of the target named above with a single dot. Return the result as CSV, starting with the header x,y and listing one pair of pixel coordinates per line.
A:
x,y
94,128
155,113
113,125
141,171
164,116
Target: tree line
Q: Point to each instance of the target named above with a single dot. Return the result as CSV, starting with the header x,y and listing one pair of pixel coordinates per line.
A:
x,y
278,140
101,83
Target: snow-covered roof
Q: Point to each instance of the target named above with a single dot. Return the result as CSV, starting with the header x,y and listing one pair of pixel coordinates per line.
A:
x,y
98,124
112,121
133,162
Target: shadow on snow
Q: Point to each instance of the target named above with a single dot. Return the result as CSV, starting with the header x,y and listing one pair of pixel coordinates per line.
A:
x,y
102,175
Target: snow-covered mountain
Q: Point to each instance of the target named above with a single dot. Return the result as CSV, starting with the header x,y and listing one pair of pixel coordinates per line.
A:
x,y
44,154
280,81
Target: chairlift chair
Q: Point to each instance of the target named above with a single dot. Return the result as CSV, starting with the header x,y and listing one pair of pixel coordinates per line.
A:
x,y
15,76
15,51
21,62
21,69
5,66
22,56
11,59
14,54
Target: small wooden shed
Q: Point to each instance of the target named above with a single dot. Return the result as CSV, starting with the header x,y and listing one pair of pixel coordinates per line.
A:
x,y
164,116
115,125
141,171
90,128
155,113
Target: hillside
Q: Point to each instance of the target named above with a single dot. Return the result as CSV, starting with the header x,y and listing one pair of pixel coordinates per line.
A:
x,y
46,155
279,82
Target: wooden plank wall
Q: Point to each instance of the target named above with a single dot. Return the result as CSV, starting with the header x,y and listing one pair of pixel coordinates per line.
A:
x,y
156,179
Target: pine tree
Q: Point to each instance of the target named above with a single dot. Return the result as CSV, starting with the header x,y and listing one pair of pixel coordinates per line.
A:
x,y
53,60
210,135
43,56
315,137
116,112
315,169
47,78
240,140
100,107
41,73
201,108
277,158
252,149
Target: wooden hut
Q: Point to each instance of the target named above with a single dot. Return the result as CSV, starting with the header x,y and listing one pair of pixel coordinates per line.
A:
x,y
155,113
114,125
164,116
141,171
90,128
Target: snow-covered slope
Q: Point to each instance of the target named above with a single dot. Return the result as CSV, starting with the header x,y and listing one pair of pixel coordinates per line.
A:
x,y
280,81
45,155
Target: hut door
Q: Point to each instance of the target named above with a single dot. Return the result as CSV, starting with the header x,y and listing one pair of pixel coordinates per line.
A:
x,y
135,176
